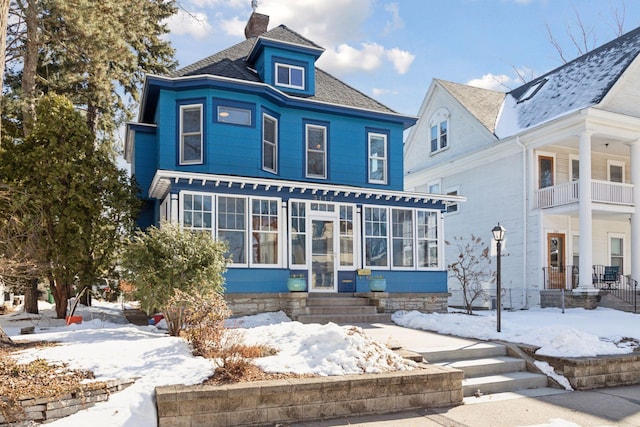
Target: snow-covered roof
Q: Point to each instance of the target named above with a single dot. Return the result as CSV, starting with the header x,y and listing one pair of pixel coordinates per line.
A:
x,y
578,84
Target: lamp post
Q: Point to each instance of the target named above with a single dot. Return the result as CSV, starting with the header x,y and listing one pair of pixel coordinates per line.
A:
x,y
498,236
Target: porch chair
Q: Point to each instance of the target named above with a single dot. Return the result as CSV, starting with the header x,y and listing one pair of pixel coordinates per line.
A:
x,y
611,275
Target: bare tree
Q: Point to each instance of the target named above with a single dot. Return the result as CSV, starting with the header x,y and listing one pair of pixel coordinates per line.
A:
x,y
471,269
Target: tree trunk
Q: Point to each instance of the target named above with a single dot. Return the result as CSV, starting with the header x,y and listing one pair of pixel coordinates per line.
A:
x,y
60,292
31,297
29,68
4,16
5,341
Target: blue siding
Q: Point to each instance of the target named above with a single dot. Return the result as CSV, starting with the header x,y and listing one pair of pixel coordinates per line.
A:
x,y
242,280
407,281
236,150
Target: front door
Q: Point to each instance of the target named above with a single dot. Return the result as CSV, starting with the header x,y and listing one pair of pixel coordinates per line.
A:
x,y
556,263
323,274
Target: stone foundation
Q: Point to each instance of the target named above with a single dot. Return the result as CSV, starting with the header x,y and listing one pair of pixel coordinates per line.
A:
x,y
306,399
295,303
552,298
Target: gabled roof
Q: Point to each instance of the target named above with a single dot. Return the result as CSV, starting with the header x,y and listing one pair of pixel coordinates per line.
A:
x,y
484,104
231,63
579,84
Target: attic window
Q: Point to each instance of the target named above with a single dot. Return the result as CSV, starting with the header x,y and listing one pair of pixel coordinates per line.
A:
x,y
532,90
290,76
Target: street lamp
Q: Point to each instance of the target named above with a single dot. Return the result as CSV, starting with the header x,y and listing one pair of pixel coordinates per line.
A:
x,y
498,236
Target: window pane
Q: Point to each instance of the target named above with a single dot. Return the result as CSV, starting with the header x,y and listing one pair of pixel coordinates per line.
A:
x,y
191,120
238,116
376,170
616,246
575,170
615,173
232,227
283,74
296,77
434,138
315,138
443,134
315,164
192,148
546,171
298,249
376,252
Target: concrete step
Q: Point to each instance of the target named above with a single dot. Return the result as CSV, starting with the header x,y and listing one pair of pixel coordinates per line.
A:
x,y
505,382
341,309
477,350
517,394
344,318
336,301
488,366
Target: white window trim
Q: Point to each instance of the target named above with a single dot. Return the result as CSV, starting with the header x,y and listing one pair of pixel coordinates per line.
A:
x,y
275,151
247,254
389,266
537,167
384,159
181,209
624,252
182,134
279,233
616,163
433,183
448,192
306,146
441,115
572,157
290,67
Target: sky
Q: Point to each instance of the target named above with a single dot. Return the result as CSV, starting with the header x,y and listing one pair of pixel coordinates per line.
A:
x,y
107,345
392,49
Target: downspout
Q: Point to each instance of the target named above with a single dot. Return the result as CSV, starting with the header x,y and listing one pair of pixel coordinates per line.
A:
x,y
524,217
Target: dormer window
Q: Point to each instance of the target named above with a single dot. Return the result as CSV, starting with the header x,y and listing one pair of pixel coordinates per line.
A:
x,y
532,90
289,76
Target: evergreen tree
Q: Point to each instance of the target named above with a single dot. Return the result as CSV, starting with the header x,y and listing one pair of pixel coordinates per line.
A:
x,y
87,202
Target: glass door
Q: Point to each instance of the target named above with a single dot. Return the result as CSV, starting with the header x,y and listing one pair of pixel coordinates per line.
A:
x,y
323,274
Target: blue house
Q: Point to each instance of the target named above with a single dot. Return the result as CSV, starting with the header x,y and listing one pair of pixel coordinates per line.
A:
x,y
300,173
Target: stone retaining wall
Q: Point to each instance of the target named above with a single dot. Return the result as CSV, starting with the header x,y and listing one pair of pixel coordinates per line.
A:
x,y
586,373
552,298
305,399
48,409
390,302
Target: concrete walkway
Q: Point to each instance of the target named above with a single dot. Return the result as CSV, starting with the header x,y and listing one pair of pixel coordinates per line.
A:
x,y
615,406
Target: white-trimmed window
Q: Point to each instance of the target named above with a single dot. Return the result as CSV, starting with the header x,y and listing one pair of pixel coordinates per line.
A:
x,y
574,167
289,76
376,239
232,226
265,226
433,187
439,130
269,143
298,227
316,152
377,158
197,211
616,252
452,207
428,244
402,241
615,171
191,134
413,242
347,225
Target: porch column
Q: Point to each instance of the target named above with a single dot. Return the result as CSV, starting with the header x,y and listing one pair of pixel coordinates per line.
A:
x,y
174,209
635,217
586,221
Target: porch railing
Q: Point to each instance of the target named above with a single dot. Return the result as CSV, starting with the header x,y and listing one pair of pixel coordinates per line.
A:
x,y
618,285
617,193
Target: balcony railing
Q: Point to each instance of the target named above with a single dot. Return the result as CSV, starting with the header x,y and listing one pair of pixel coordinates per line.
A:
x,y
569,192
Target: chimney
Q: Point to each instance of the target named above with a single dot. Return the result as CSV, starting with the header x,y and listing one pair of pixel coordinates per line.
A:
x,y
257,25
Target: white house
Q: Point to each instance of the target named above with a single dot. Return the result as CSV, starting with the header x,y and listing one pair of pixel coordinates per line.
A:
x,y
556,161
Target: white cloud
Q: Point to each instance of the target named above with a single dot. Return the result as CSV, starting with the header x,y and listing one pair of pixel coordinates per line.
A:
x,y
345,59
490,81
234,26
401,59
376,91
193,23
396,22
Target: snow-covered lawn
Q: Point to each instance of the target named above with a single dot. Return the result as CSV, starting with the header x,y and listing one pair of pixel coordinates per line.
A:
x,y
110,348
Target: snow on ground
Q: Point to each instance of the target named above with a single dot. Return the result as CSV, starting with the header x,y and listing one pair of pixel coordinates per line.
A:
x,y
576,333
105,344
